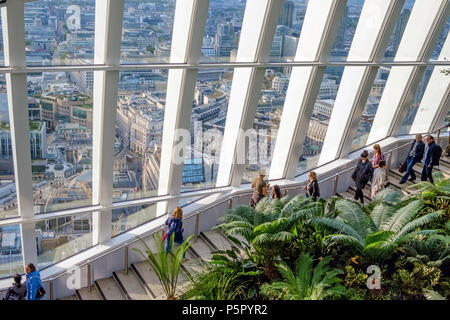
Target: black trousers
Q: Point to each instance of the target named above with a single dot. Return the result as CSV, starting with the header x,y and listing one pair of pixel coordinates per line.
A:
x,y
359,195
426,173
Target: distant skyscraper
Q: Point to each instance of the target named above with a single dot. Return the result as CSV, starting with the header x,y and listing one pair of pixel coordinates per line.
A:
x,y
287,14
340,37
226,39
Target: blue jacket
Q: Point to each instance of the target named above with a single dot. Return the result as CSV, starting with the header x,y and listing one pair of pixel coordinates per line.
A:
x,y
175,225
33,285
420,149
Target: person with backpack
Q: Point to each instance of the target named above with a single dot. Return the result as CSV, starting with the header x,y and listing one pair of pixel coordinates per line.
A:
x,y
175,224
18,290
431,158
35,291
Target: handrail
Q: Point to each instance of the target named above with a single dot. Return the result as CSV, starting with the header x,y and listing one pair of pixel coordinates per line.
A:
x,y
199,212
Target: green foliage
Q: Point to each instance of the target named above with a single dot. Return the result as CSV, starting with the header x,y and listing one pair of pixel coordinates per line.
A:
x,y
355,283
166,266
307,283
411,283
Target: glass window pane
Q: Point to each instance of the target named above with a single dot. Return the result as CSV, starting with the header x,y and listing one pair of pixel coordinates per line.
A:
x,y
59,32
222,30
60,238
262,138
287,33
438,48
147,31
346,31
8,197
414,106
399,28
11,261
318,124
139,123
208,118
2,54
61,112
130,217
370,109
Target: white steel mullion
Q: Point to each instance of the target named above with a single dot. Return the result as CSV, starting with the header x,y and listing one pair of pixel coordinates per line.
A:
x,y
189,24
424,26
376,22
108,36
318,34
258,28
435,99
14,50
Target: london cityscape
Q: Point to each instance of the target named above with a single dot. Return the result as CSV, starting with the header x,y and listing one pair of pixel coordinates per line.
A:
x,y
60,109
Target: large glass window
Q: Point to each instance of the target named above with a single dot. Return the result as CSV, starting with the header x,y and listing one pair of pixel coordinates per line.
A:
x,y
209,113
287,32
60,238
320,118
130,217
346,31
59,32
147,31
8,196
139,122
370,109
11,261
61,139
222,30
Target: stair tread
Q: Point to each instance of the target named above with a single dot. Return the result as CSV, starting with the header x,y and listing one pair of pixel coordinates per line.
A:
x,y
74,297
218,239
202,248
132,285
150,278
110,289
86,295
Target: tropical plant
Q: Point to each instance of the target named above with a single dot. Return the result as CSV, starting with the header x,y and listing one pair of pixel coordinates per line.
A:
x,y
166,266
307,283
377,235
411,283
432,295
433,251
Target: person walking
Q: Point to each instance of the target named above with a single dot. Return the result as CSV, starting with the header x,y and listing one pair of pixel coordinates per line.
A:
x,y
361,175
431,158
377,156
379,179
415,155
18,290
35,291
312,188
260,188
175,224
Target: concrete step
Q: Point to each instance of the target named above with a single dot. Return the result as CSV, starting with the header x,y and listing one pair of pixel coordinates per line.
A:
x,y
131,285
74,297
84,294
109,289
202,248
148,278
216,239
366,193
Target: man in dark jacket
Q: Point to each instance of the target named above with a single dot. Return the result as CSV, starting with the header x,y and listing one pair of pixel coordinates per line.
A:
x,y
431,159
415,155
362,174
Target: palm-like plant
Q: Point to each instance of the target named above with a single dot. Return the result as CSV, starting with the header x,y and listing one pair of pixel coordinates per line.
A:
x,y
266,231
377,235
307,283
166,266
434,251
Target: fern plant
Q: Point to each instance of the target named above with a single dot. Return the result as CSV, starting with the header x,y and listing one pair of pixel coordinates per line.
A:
x,y
306,282
377,235
166,266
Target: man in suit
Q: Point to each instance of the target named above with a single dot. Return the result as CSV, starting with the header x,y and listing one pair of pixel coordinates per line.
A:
x,y
415,155
431,158
362,175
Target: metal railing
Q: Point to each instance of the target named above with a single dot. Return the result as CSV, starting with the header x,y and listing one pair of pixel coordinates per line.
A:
x,y
198,213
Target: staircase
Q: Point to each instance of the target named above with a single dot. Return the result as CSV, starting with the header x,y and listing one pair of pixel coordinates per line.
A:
x,y
395,177
140,283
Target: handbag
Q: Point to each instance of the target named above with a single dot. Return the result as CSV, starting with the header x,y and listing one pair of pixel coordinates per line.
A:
x,y
164,236
402,167
40,292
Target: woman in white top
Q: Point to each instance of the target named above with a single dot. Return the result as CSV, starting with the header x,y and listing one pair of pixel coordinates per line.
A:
x,y
379,179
